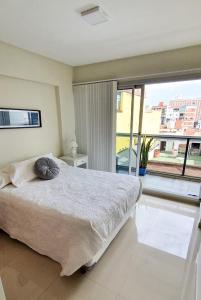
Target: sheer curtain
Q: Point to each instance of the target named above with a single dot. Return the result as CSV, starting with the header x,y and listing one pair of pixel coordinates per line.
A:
x,y
95,123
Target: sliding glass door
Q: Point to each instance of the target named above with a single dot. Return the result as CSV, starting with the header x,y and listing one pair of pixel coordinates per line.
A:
x,y
123,125
170,115
128,129
173,112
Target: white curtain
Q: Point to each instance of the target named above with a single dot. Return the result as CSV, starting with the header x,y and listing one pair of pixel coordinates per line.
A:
x,y
95,123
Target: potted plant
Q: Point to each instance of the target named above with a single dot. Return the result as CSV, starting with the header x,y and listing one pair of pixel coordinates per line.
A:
x,y
146,146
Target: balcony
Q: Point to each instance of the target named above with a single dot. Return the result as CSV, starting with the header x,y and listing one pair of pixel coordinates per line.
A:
x,y
168,163
170,155
172,161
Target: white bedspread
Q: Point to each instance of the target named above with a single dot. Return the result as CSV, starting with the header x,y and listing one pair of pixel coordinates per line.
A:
x,y
68,218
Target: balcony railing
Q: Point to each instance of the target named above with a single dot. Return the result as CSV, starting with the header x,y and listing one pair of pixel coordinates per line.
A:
x,y
170,154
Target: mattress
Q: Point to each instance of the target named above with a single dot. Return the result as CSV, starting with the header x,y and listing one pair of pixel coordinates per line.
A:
x,y
70,217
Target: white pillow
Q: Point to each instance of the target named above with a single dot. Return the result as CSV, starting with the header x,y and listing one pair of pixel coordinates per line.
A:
x,y
4,177
23,171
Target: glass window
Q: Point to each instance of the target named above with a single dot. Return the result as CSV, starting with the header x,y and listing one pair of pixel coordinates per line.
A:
x,y
172,108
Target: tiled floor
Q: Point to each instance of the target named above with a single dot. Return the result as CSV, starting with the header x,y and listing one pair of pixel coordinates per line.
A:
x,y
174,186
178,187
150,259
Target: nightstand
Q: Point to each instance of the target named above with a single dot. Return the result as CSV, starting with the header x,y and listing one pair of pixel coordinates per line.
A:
x,y
80,160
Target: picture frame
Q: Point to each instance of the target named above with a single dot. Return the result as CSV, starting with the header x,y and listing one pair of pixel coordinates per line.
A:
x,y
13,118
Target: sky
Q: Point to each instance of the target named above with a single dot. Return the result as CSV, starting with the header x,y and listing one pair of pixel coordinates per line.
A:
x,y
172,90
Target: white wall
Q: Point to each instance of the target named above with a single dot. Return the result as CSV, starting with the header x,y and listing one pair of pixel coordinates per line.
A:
x,y
24,142
32,81
144,66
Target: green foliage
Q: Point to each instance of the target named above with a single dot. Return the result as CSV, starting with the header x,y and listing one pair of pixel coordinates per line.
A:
x,y
146,146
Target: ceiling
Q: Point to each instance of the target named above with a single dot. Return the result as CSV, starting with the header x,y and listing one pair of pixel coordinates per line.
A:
x,y
55,29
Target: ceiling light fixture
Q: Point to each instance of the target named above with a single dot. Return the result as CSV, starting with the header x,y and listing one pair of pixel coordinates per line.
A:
x,y
94,15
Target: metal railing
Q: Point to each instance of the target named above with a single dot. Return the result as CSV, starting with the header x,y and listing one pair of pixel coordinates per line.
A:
x,y
186,152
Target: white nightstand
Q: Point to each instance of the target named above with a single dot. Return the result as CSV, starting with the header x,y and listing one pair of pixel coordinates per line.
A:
x,y
80,160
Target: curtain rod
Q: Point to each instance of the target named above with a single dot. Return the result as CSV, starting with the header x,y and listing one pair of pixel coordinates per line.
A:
x,y
148,77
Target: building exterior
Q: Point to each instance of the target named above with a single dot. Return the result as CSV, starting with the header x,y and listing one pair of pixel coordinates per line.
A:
x,y
188,102
163,109
151,118
187,116
180,117
172,115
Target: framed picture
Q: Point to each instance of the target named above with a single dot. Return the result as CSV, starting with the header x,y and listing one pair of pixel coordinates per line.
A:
x,y
19,118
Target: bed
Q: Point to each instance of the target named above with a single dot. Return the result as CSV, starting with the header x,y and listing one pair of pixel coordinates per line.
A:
x,y
72,218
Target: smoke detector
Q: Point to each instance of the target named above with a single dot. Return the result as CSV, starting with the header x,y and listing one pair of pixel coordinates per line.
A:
x,y
94,15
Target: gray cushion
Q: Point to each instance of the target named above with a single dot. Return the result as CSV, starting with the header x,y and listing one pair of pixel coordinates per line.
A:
x,y
46,168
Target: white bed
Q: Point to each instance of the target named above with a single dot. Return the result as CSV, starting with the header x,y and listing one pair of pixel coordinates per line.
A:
x,y
71,218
